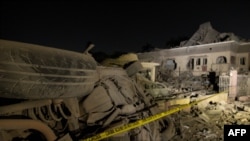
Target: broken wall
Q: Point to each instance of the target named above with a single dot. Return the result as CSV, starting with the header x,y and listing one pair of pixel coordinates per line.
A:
x,y
243,85
236,84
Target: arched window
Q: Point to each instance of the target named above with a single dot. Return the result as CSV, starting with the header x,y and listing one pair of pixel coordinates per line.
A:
x,y
170,64
221,60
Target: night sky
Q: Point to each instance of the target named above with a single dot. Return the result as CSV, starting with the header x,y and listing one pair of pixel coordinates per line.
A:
x,y
123,26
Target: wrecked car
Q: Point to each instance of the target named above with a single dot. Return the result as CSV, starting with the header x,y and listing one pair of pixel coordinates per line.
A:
x,y
50,94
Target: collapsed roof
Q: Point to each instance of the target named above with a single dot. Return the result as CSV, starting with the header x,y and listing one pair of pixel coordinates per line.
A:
x,y
206,34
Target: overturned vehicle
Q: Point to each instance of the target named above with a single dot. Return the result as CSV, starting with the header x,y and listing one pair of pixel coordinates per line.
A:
x,y
50,94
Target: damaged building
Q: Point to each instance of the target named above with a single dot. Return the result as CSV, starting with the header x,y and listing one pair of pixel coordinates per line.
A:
x,y
185,93
205,55
201,59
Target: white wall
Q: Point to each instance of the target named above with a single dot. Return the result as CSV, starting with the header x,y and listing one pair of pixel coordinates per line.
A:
x,y
182,62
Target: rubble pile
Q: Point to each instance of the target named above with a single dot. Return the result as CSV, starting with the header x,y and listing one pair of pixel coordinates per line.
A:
x,y
207,34
207,123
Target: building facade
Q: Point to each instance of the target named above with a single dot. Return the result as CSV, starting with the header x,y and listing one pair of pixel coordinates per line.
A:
x,y
219,57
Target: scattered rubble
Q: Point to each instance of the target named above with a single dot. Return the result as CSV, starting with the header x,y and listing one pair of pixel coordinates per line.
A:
x,y
207,123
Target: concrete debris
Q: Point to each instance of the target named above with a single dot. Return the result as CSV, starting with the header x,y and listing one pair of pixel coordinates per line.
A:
x,y
205,34
208,123
244,98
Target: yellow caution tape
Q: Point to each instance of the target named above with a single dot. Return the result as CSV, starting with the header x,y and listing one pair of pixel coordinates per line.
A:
x,y
127,127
